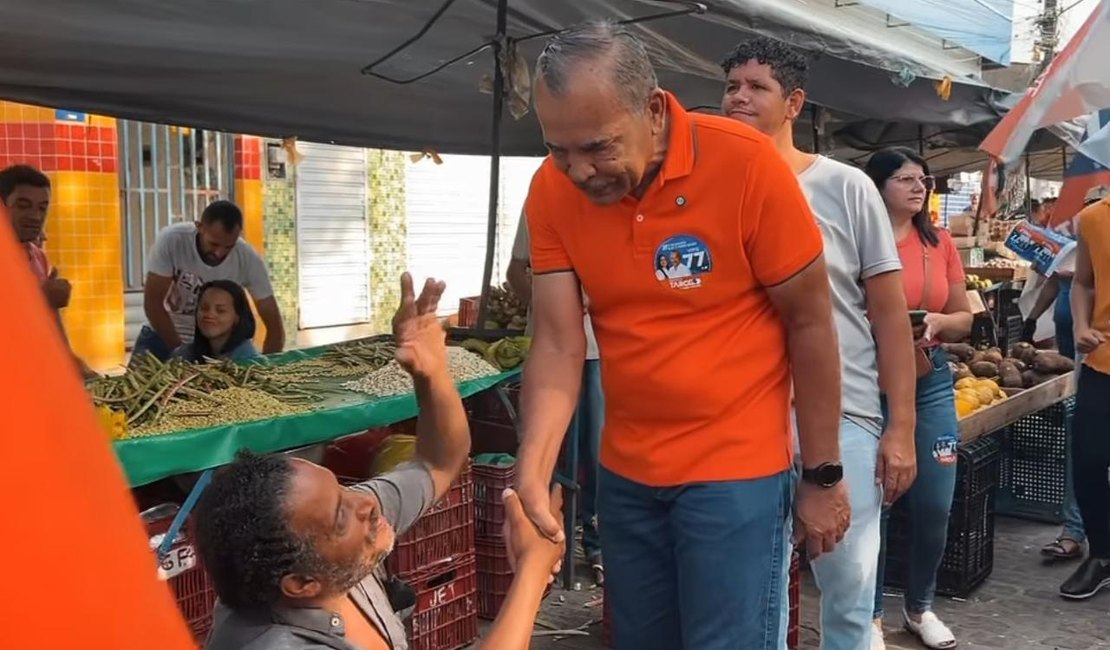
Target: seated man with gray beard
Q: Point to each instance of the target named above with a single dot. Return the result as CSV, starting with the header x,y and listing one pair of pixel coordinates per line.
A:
x,y
295,556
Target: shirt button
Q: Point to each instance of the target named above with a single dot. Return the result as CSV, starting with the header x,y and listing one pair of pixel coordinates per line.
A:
x,y
335,621
639,217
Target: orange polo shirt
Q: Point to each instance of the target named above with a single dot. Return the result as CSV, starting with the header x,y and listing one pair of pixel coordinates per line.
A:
x,y
693,355
1094,228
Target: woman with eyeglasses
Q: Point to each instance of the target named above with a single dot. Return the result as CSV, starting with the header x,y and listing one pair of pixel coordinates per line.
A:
x,y
933,278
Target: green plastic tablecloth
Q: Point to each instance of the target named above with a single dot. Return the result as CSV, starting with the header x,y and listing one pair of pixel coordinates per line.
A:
x,y
341,413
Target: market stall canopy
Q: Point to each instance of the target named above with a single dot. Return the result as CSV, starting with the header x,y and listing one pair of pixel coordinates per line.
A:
x,y
949,149
293,68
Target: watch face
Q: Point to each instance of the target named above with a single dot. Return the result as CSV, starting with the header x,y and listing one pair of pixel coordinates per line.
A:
x,y
827,475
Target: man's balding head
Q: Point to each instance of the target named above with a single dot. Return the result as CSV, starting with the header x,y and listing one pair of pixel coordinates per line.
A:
x,y
601,109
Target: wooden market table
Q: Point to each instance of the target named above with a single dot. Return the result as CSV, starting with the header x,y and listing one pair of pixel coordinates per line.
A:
x,y
1027,402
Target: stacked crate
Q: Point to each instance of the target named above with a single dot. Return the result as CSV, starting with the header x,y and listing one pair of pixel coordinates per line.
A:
x,y
436,558
182,568
495,574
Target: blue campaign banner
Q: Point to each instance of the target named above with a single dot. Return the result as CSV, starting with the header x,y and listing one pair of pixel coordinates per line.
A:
x,y
982,26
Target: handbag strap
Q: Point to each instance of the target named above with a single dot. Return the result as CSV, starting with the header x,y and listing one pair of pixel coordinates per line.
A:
x,y
925,268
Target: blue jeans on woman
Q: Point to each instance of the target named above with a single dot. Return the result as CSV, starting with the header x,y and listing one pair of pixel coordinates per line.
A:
x,y
929,499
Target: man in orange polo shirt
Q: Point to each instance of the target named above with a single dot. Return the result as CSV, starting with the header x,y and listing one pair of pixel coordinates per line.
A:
x,y
709,296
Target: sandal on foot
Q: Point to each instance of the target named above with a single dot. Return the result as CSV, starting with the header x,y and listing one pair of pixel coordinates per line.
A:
x,y
1064,548
877,640
930,631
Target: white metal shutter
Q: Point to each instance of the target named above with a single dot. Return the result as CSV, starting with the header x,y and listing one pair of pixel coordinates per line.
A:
x,y
447,210
333,236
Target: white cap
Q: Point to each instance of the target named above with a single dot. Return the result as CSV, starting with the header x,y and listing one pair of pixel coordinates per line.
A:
x,y
1097,193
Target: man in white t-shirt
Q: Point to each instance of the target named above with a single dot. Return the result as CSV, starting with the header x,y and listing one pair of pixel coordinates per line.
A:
x,y
589,417
765,89
185,256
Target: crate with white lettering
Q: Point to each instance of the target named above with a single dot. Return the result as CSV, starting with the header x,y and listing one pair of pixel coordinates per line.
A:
x,y
446,612
182,568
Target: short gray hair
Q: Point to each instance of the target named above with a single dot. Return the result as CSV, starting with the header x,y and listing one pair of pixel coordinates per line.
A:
x,y
630,66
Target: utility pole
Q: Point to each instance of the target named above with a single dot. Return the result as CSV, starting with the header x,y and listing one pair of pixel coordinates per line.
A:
x,y
1049,23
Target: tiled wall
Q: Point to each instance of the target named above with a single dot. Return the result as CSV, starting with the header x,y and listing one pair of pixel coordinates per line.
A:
x,y
388,233
83,227
279,205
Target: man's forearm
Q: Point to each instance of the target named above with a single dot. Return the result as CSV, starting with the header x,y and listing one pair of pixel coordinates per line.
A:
x,y
1045,298
815,365
163,325
894,345
442,430
552,381
275,338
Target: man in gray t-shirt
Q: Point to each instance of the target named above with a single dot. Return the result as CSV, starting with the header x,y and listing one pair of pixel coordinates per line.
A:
x,y
764,88
295,557
184,257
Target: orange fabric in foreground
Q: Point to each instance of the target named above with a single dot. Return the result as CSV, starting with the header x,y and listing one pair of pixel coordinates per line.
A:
x,y
76,556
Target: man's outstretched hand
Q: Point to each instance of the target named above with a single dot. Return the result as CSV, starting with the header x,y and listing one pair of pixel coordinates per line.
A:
x,y
421,340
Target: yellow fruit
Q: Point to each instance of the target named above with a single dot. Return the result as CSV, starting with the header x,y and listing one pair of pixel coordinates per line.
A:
x,y
986,395
971,396
966,382
964,407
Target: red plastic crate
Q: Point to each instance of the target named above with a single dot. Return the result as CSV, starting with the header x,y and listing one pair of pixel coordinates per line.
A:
x,y
794,592
351,457
489,512
446,612
495,576
468,311
445,532
183,569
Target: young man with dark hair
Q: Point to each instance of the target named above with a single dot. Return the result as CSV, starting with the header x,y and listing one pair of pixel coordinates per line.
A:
x,y
296,557
184,257
25,193
765,88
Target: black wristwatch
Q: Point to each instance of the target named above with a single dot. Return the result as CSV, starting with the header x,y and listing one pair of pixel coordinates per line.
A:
x,y
824,475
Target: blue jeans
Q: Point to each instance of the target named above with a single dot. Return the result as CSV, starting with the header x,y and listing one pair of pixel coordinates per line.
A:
x,y
846,577
700,566
929,499
587,424
1065,341
148,342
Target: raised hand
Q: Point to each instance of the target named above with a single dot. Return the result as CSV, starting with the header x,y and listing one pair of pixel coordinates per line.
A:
x,y
421,340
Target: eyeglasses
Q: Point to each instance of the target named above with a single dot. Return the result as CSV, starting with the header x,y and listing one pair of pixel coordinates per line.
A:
x,y
929,182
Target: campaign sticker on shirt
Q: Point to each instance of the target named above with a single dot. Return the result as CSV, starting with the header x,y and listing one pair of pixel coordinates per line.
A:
x,y
680,260
944,449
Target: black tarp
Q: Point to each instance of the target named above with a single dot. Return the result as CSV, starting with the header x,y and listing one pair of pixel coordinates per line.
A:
x,y
292,67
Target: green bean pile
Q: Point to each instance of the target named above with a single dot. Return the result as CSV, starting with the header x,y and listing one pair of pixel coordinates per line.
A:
x,y
158,396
